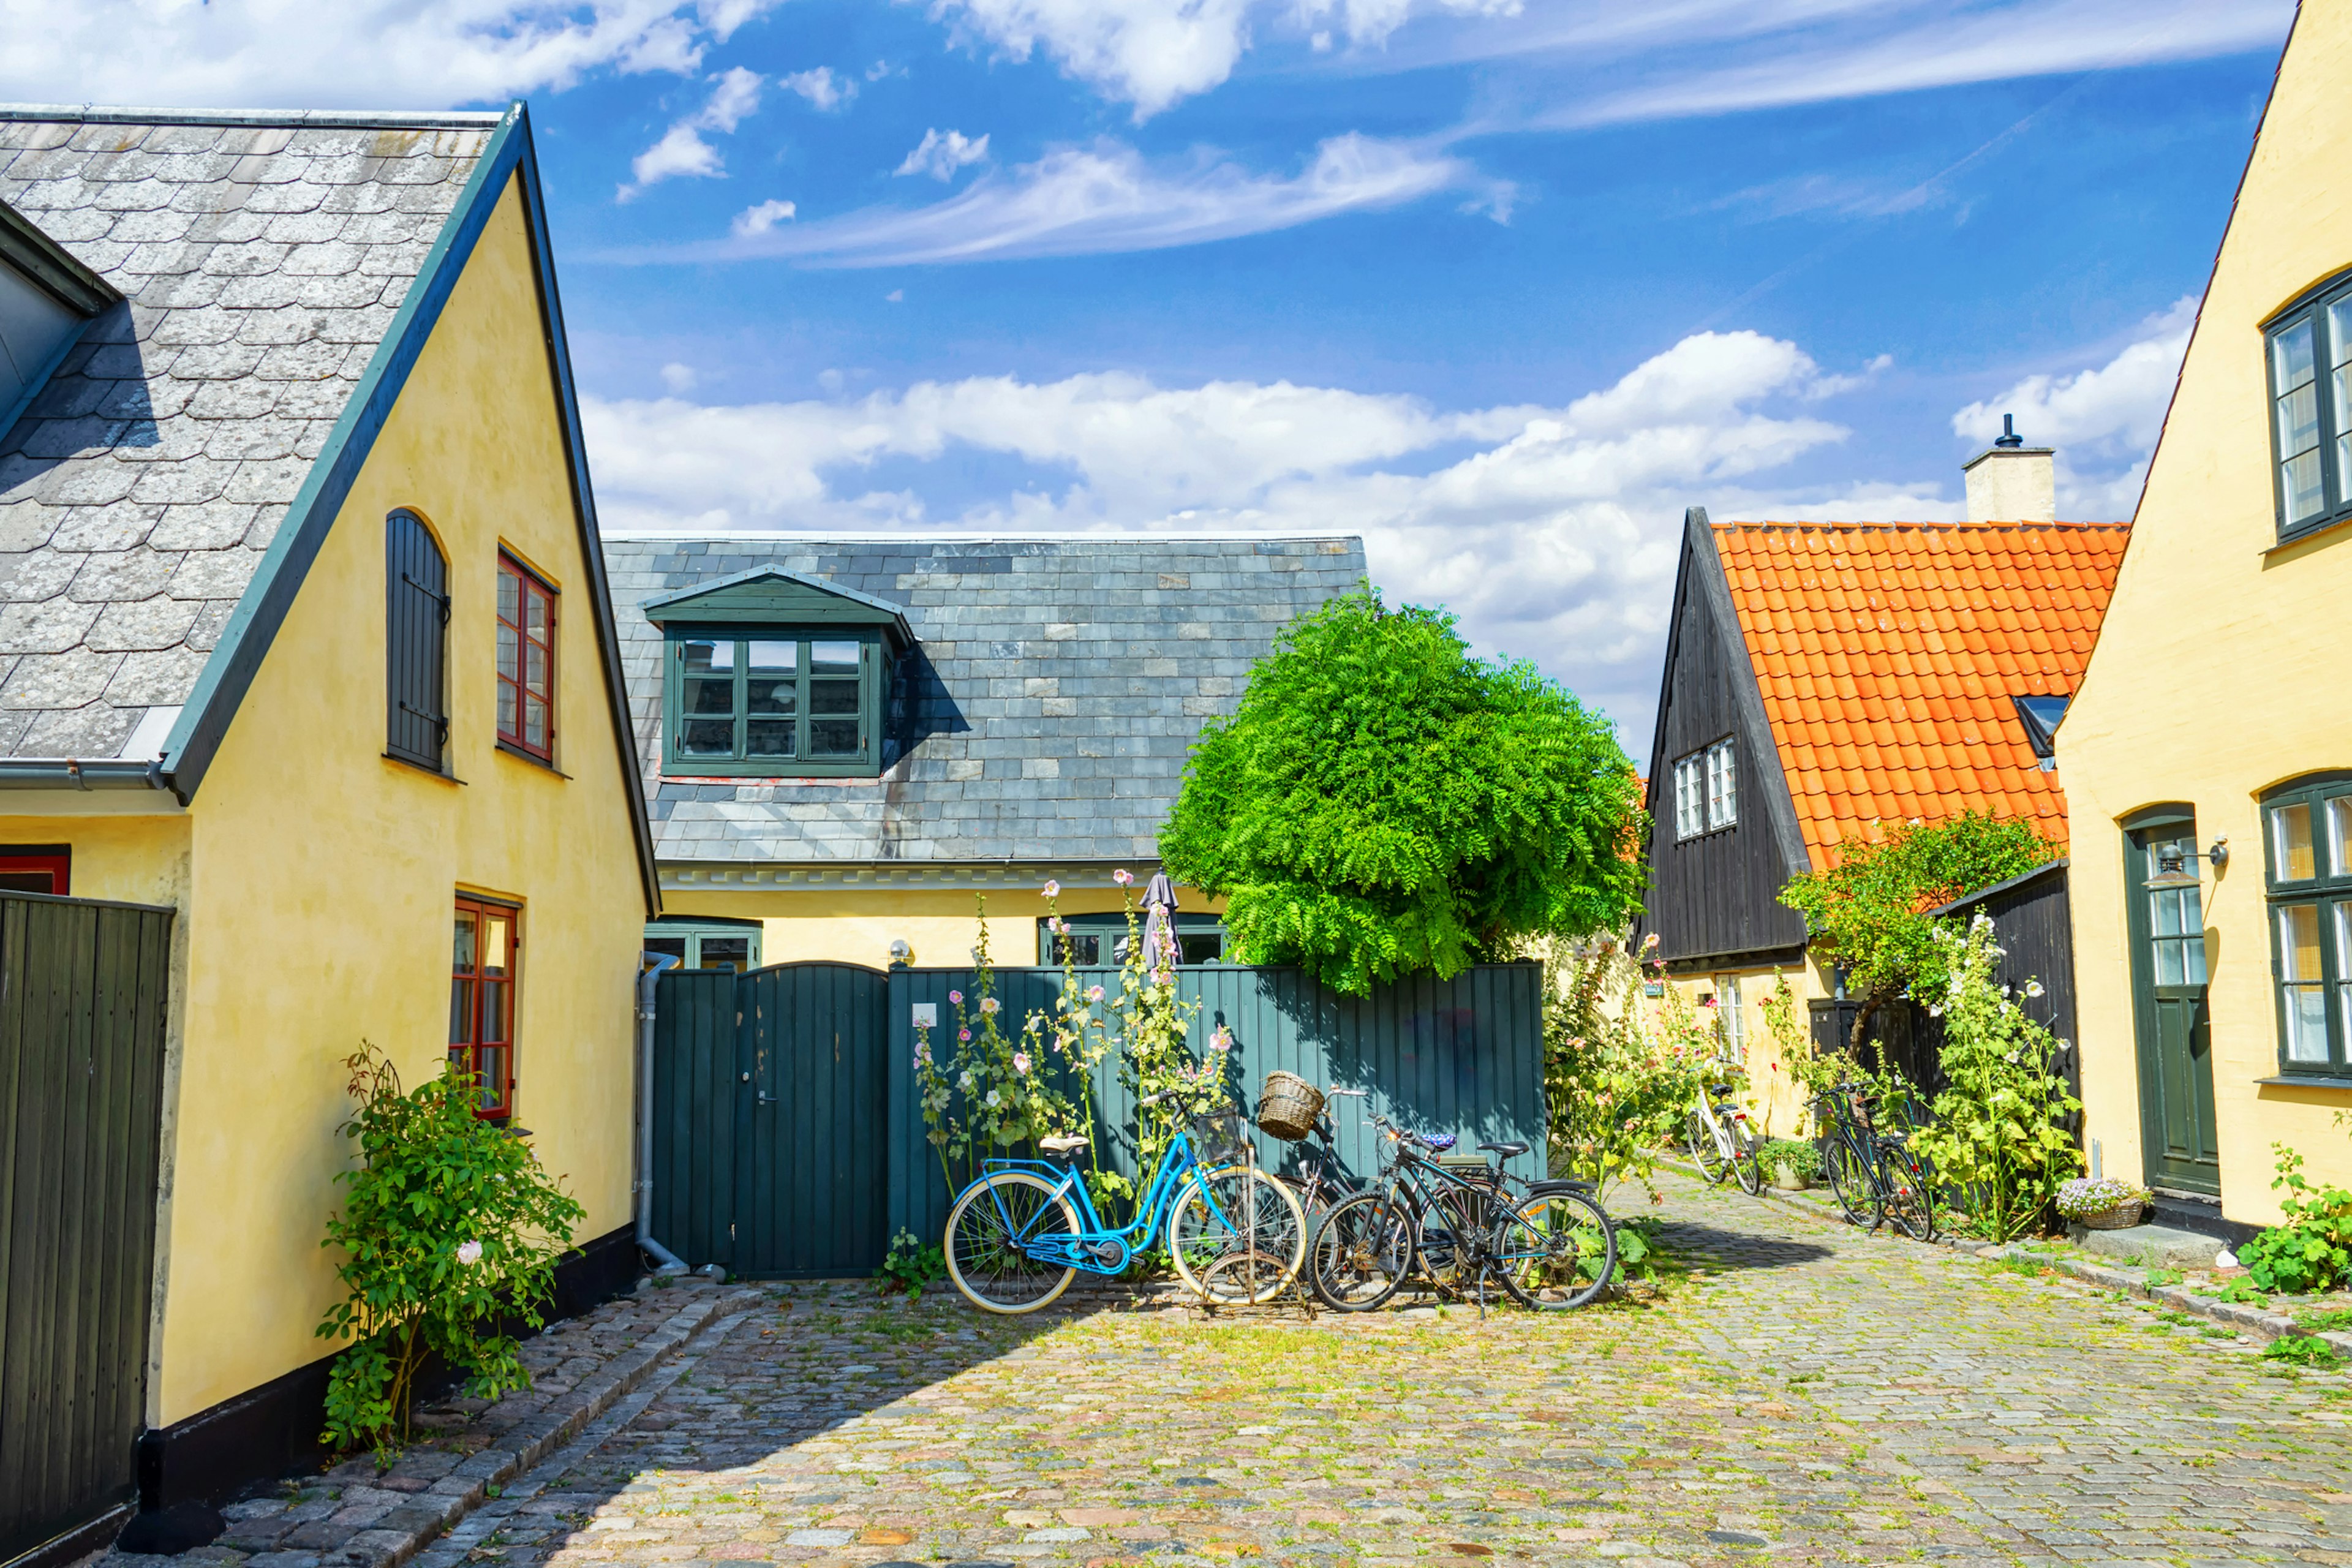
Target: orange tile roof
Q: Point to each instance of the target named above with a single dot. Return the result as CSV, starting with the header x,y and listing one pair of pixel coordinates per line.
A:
x,y
1887,653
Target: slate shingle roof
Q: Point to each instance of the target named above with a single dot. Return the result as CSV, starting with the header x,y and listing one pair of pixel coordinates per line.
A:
x,y
1068,680
1887,653
261,264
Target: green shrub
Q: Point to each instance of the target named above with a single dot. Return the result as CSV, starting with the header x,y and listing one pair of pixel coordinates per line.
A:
x,y
1803,1158
449,1223
1617,1077
2302,1350
2311,1248
912,1265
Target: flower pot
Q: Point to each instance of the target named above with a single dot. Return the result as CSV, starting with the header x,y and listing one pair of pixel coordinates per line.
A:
x,y
1788,1179
2121,1217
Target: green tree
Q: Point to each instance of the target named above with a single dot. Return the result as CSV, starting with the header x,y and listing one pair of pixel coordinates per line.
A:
x,y
1871,907
1384,804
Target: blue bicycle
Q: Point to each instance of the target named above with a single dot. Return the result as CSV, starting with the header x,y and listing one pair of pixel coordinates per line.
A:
x,y
1021,1231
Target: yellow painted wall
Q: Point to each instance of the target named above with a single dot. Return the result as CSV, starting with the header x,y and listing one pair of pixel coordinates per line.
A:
x,y
2220,669
849,925
323,874
1773,1095
138,859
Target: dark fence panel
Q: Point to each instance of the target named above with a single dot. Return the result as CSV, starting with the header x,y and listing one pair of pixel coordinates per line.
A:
x,y
1462,1056
810,1140
694,1113
83,986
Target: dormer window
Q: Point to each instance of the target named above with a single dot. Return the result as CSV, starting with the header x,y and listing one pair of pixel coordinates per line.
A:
x,y
770,674
45,299
1706,791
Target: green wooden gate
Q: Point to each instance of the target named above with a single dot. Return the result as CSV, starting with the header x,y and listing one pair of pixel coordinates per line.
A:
x,y
771,1107
83,993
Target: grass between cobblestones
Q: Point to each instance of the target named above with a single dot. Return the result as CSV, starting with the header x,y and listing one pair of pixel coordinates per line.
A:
x,y
1803,1393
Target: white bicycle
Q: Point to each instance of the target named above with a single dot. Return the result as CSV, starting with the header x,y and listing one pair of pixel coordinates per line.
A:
x,y
1722,1142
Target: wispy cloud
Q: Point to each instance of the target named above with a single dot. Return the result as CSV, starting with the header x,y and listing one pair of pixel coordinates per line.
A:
x,y
681,150
1085,201
760,219
822,88
943,153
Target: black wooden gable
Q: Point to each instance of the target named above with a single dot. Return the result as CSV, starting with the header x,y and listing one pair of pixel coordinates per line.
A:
x,y
1713,899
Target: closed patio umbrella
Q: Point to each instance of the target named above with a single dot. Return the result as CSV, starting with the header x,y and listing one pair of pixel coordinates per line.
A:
x,y
1159,922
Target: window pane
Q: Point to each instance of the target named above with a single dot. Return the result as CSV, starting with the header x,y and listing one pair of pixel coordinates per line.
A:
x,y
2298,942
2299,479
542,611
833,658
534,722
2164,914
2169,966
461,1012
1201,947
493,1068
497,931
463,960
2307,1024
2339,837
707,738
2299,972
505,709
707,657
534,668
2291,362
727,953
2290,848
830,736
509,592
768,738
709,696
667,946
506,644
494,1011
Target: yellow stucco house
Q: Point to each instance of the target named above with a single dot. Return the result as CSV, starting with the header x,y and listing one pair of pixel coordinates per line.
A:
x,y
848,742
2216,988
305,636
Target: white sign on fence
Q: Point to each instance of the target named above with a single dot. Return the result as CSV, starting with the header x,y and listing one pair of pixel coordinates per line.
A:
x,y
926,1014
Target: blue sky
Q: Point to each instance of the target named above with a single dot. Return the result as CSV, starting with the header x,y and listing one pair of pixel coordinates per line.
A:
x,y
1502,286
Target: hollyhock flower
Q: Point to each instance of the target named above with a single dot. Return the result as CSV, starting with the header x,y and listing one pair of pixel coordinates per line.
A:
x,y
993,1100
1650,940
922,1053
1160,977
1221,1041
470,1252
965,1081
1020,1062
988,1003
1036,1022
2033,988
1124,877
1053,889
956,998
1094,993
964,1035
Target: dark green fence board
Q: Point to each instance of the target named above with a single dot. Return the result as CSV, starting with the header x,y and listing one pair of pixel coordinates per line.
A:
x,y
694,1121
83,995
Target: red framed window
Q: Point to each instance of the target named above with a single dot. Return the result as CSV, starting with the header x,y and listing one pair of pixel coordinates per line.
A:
x,y
526,660
37,868
481,1000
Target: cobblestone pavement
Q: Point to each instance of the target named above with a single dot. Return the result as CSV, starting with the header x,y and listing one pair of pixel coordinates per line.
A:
x,y
1808,1395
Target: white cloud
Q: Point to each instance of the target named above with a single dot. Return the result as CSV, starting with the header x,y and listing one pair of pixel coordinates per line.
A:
x,y
353,54
760,219
679,378
1553,531
941,152
824,89
1085,201
681,150
2104,421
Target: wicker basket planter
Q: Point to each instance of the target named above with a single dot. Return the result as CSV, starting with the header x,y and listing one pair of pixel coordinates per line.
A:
x,y
2123,1216
1788,1179
2101,1203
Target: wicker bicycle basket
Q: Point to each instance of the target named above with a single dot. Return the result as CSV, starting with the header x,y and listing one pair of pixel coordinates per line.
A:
x,y
1219,1138
1288,1106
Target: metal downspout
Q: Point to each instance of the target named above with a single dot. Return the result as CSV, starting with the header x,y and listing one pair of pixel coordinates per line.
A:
x,y
665,1262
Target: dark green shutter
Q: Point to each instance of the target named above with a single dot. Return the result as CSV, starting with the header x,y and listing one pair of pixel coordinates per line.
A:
x,y
416,636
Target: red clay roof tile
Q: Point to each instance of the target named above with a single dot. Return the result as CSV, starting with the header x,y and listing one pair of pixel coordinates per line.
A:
x,y
1888,653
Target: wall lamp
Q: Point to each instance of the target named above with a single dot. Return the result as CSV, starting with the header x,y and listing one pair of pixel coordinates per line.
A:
x,y
2174,872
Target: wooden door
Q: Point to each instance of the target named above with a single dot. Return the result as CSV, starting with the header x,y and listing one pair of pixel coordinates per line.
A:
x,y
2176,1055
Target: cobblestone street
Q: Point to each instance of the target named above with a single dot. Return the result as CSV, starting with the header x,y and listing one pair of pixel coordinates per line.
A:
x,y
1807,1395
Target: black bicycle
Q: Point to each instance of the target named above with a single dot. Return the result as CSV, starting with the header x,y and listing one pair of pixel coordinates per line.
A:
x,y
1549,1245
1872,1170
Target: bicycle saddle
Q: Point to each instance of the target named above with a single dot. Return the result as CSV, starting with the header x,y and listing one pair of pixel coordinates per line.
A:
x,y
1439,1144
1061,1145
1506,1150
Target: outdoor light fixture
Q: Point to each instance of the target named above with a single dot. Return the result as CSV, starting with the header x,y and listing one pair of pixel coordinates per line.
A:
x,y
2173,871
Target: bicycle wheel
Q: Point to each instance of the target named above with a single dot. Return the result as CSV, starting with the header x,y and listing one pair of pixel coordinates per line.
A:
x,y
1851,1183
1700,1139
1363,1250
986,1262
1910,1187
1448,1219
1746,1156
1555,1251
1236,1211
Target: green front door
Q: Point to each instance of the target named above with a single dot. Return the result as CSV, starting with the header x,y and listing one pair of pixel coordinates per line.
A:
x,y
2175,1052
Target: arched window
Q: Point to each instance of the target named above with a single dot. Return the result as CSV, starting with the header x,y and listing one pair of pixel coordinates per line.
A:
x,y
2307,846
416,643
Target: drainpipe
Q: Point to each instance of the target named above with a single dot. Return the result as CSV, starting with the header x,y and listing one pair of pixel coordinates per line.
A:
x,y
665,1262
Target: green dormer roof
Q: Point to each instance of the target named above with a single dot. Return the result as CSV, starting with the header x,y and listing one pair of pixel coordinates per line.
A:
x,y
770,595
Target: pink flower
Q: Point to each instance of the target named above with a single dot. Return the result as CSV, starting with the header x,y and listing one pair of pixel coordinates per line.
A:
x,y
1094,993
988,1003
1124,877
1650,940
1020,1062
469,1253
1160,977
1221,1041
922,1053
956,996
1053,889
1706,1001
964,1035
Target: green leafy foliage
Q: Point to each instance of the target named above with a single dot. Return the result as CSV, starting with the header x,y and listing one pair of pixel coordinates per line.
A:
x,y
912,1265
1803,1159
1618,1079
1871,906
2239,1292
2302,1350
2323,1320
1995,1134
1383,803
449,1223
2311,1248
2159,1277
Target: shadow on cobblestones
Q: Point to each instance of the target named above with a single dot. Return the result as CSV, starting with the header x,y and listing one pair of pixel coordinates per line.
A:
x,y
1739,1249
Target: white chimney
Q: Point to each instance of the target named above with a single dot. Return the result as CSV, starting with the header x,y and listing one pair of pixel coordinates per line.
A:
x,y
2009,482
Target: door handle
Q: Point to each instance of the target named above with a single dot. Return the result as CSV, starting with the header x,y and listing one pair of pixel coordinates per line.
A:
x,y
767,1098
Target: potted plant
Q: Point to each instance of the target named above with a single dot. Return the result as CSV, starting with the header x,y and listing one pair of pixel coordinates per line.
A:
x,y
1792,1165
2106,1203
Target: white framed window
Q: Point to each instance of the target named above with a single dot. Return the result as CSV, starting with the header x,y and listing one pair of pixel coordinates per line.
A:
x,y
1706,791
1734,1017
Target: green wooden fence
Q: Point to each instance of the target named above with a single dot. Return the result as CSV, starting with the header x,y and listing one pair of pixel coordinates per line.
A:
x,y
82,995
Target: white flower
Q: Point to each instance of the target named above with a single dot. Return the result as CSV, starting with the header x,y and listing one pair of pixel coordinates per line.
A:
x,y
993,1100
988,1003
2033,988
1020,1062
469,1253
1123,877
1053,889
965,1081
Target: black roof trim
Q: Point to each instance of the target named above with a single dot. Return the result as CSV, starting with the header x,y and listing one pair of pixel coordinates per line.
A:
x,y
49,264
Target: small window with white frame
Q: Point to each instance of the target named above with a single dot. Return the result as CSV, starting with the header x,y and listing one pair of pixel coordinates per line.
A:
x,y
1734,1019
1706,791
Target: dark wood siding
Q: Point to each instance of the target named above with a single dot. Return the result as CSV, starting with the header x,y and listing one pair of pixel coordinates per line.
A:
x,y
1715,896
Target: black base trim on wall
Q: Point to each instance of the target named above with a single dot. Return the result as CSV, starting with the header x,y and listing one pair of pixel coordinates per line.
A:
x,y
76,1543
273,1430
